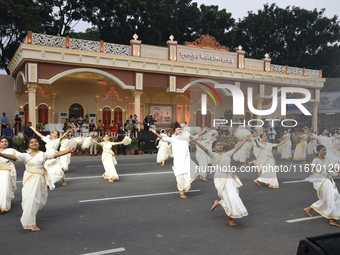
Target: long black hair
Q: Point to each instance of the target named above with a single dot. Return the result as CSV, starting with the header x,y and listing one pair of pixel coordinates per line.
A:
x,y
318,148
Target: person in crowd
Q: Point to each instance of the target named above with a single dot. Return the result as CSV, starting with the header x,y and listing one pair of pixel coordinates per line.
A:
x,y
93,147
17,124
8,133
136,123
100,128
121,135
28,133
4,121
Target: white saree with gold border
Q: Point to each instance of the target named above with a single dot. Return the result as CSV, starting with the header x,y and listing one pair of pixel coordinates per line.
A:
x,y
109,161
8,177
35,182
328,204
227,184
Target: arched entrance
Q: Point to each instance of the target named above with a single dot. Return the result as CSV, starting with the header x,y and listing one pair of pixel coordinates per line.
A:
x,y
27,116
118,115
74,111
43,114
106,114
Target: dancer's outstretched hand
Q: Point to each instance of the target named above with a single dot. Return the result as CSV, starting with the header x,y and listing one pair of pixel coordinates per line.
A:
x,y
73,149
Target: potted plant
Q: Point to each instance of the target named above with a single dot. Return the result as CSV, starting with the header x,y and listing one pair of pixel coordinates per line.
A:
x,y
86,151
79,150
134,146
19,143
140,148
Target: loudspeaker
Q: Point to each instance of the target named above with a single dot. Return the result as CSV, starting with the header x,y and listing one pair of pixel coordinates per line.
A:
x,y
328,244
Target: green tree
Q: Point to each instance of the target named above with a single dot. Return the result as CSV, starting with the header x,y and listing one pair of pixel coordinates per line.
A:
x,y
17,17
292,36
91,33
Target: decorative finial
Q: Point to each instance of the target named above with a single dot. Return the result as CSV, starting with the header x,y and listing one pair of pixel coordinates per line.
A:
x,y
171,37
135,37
266,55
239,47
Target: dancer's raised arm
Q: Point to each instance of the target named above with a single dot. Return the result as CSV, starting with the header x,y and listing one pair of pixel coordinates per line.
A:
x,y
35,131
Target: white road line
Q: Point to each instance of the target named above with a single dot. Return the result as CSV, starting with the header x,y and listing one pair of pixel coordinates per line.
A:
x,y
100,176
303,219
146,195
105,252
295,181
126,164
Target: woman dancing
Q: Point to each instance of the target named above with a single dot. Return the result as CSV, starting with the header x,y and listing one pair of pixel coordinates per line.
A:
x,y
8,177
328,204
226,182
311,145
108,158
266,162
300,150
286,147
66,159
53,165
163,147
35,182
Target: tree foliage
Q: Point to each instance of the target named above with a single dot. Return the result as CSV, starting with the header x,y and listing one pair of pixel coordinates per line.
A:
x,y
292,36
17,17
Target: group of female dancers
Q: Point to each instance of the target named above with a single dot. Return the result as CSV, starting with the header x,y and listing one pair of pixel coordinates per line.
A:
x,y
43,169
227,183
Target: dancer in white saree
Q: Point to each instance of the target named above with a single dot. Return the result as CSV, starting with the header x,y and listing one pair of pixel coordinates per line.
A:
x,y
53,166
66,159
182,160
163,148
326,141
226,182
300,152
108,158
36,179
311,145
266,162
286,147
323,171
8,177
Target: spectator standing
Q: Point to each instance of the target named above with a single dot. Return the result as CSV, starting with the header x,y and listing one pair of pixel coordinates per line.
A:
x,y
121,135
93,146
17,124
4,121
28,133
136,123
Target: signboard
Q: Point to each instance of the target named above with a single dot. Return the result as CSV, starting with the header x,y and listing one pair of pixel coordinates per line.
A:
x,y
162,114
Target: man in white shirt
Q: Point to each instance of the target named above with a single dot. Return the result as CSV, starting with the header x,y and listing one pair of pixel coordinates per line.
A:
x,y
93,146
181,167
136,126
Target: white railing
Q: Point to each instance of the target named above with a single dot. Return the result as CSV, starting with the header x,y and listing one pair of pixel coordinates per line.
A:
x,y
48,40
117,49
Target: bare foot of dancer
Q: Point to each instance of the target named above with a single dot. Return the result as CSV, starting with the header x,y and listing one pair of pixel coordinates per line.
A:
x,y
217,203
104,175
231,222
35,229
64,182
334,223
204,179
162,164
182,196
257,182
303,162
245,164
111,180
307,210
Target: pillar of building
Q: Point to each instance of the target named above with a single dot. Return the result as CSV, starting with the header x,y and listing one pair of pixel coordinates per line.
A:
x,y
97,108
53,109
315,117
137,95
17,96
31,89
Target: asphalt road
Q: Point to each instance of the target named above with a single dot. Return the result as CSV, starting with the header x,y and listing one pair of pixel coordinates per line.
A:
x,y
143,214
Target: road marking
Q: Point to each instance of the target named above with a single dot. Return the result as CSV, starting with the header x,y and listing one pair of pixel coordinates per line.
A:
x,y
126,164
136,196
295,181
105,252
303,219
100,176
